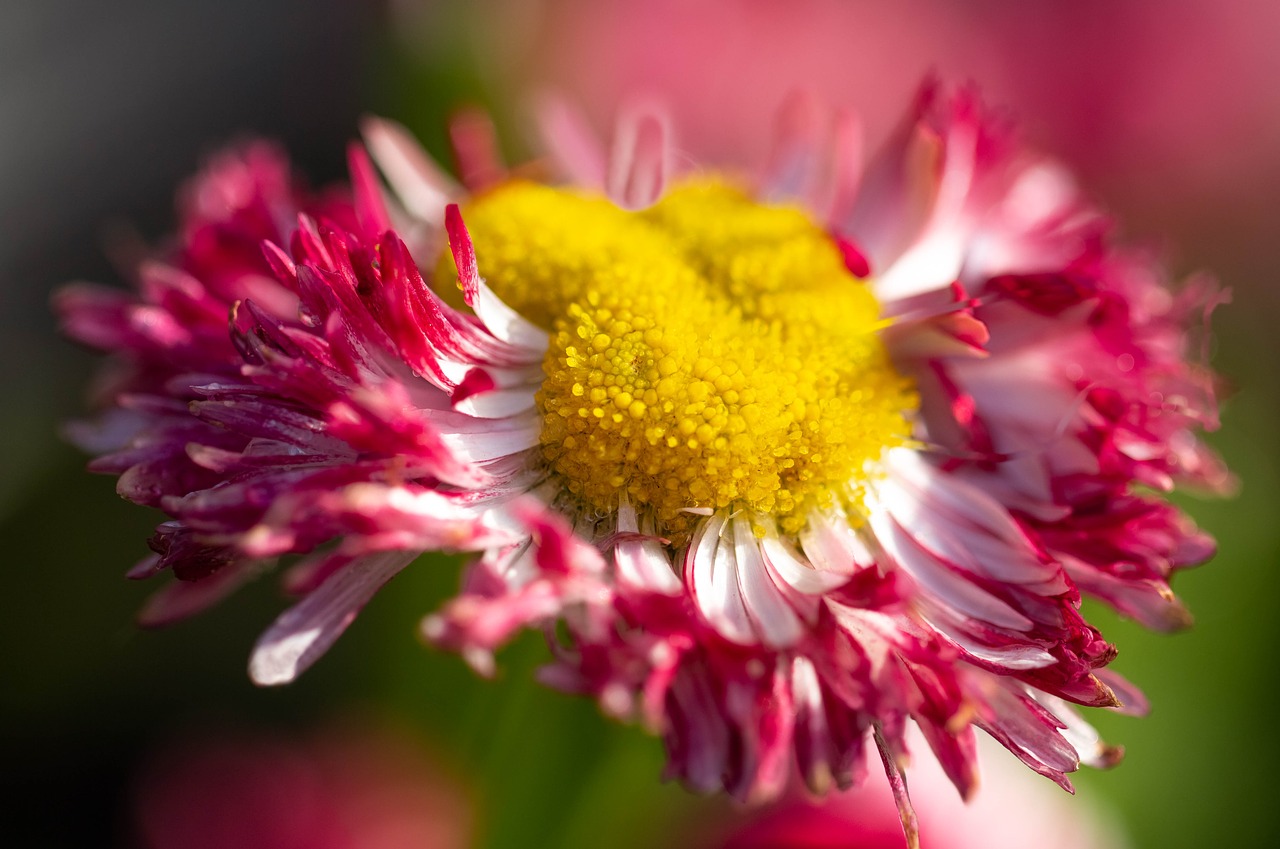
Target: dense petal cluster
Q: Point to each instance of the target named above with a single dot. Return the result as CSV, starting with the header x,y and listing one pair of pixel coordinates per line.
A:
x,y
299,379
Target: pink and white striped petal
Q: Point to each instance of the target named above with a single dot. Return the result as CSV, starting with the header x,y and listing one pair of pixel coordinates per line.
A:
x,y
420,184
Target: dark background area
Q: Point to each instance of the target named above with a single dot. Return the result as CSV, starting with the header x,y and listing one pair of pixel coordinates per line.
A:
x,y
104,108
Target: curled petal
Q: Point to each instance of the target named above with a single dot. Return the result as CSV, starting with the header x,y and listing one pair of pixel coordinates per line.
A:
x,y
640,161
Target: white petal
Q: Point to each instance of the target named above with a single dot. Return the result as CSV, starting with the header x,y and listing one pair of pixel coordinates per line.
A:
x,y
927,266
304,632
642,563
797,572
517,565
489,439
507,324
832,545
496,403
962,524
775,620
973,548
712,573
420,184
1078,733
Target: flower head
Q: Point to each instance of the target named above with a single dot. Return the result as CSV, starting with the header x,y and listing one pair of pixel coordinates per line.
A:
x,y
783,465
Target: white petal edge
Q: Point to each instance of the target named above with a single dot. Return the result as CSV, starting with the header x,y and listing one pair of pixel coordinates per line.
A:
x,y
420,184
795,570
712,567
642,563
505,323
304,632
774,620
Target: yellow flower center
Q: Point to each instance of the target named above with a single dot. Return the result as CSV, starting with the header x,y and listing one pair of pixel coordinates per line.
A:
x,y
708,352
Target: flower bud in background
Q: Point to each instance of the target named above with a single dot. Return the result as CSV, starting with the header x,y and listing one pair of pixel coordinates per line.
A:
x,y
1186,88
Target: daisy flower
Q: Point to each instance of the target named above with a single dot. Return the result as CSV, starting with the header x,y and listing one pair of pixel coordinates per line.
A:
x,y
783,465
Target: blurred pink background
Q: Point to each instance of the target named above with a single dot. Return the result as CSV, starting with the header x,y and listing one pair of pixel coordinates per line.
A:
x,y
1013,809
354,784
1168,109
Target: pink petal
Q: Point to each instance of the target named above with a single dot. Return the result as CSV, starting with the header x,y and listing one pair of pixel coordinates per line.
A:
x,y
796,161
475,147
371,209
571,142
498,318
639,166
179,600
941,582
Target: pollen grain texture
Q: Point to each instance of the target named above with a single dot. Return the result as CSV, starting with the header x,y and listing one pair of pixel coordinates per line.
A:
x,y
707,352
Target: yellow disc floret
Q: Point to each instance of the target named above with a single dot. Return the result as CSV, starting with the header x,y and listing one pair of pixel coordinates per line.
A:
x,y
709,352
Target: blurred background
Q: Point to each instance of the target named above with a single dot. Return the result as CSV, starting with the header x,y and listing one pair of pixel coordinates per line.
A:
x,y
1169,110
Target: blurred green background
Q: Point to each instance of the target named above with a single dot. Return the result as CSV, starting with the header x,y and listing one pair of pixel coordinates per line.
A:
x,y
105,110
